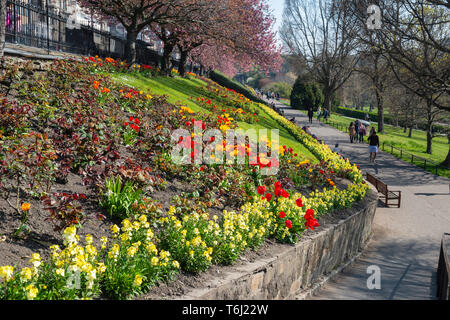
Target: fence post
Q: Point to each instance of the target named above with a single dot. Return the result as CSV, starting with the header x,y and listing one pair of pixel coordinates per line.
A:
x,y
48,28
15,23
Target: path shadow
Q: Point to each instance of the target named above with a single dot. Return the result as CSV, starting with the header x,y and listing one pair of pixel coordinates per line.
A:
x,y
406,273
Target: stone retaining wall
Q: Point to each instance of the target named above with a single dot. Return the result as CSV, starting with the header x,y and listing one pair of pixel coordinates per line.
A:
x,y
297,268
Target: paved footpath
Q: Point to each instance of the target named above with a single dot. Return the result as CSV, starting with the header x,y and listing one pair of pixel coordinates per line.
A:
x,y
406,241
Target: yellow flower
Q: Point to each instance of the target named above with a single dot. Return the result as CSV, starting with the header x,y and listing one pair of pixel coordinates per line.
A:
x,y
32,292
35,260
60,272
26,274
6,272
115,229
137,280
26,206
104,241
88,239
154,261
124,237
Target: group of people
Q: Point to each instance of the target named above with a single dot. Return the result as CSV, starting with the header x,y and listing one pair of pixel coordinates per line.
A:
x,y
357,131
325,114
271,95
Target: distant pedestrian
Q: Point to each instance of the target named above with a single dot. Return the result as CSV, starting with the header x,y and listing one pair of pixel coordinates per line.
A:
x,y
362,132
356,130
374,144
325,114
319,113
337,150
310,114
352,132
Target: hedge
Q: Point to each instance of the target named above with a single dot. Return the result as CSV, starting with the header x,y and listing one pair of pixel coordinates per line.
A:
x,y
226,82
388,119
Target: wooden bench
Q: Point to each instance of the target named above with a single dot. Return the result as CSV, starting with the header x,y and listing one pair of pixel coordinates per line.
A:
x,y
383,190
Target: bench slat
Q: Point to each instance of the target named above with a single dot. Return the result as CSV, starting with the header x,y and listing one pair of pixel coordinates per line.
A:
x,y
384,190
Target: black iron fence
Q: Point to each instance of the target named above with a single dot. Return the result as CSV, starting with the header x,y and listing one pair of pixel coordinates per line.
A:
x,y
36,23
443,271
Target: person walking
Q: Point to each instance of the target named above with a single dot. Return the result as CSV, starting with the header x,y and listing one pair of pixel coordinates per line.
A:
x,y
310,114
351,132
374,144
362,132
319,113
356,130
325,114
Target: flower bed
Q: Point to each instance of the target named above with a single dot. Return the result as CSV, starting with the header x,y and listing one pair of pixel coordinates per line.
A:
x,y
143,218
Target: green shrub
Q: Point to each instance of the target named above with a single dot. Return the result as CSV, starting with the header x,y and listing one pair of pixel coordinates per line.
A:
x,y
306,95
224,81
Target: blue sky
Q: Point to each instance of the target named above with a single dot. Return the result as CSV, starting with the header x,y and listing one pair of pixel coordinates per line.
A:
x,y
277,11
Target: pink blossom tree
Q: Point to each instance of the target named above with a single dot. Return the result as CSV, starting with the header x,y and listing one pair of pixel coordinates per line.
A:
x,y
135,15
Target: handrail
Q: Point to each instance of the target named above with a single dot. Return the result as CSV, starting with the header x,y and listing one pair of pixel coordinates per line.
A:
x,y
443,271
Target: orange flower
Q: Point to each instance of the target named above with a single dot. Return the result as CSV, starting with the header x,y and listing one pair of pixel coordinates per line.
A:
x,y
105,90
96,85
26,206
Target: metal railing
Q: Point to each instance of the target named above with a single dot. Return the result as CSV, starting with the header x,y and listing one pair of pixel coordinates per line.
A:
x,y
427,163
35,23
443,270
402,154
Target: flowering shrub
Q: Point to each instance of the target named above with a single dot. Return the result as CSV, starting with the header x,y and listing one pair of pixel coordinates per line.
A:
x,y
71,273
186,240
133,262
320,150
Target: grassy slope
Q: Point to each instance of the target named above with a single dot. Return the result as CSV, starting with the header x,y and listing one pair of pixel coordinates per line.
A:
x,y
180,90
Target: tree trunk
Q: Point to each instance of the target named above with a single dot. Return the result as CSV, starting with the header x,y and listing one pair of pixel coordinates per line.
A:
x,y
327,101
410,131
2,26
183,61
380,109
429,138
429,127
446,162
166,66
130,47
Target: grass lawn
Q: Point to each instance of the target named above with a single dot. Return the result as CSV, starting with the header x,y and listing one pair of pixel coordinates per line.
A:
x,y
180,90
415,145
395,136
